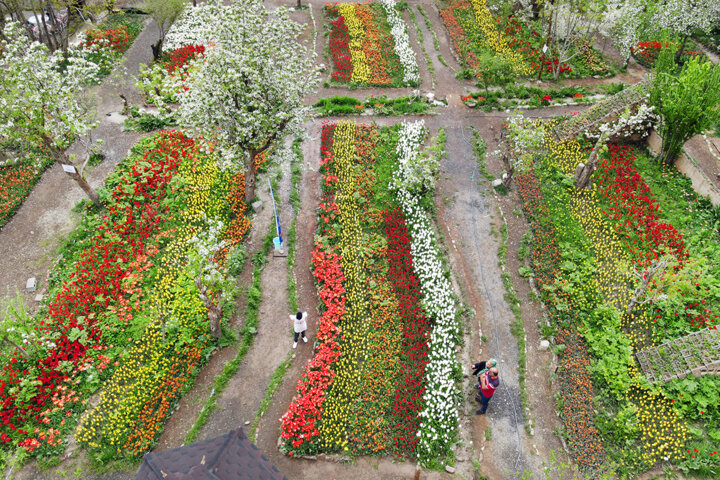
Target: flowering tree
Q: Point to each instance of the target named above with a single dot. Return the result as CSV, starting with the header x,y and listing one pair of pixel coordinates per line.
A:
x,y
249,87
628,26
39,100
685,16
568,22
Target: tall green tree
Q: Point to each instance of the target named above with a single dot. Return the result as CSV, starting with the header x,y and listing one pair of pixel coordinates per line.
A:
x,y
687,100
164,13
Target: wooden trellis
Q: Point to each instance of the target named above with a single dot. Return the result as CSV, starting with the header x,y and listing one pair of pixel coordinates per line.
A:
x,y
695,354
600,112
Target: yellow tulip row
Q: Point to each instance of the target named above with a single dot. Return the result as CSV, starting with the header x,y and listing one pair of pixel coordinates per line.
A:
x,y
333,427
361,70
495,40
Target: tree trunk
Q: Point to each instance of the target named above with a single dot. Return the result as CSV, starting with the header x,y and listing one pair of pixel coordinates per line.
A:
x,y
21,349
681,50
214,309
250,178
156,49
299,3
63,159
670,149
583,174
89,191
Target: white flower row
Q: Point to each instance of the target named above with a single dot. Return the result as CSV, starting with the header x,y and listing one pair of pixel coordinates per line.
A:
x,y
439,415
402,43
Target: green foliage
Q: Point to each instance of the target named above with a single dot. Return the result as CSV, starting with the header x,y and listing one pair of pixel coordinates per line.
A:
x,y
496,70
236,260
688,102
381,106
479,148
139,121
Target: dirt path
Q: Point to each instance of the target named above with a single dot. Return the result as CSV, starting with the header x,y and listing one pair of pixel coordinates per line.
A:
x,y
707,155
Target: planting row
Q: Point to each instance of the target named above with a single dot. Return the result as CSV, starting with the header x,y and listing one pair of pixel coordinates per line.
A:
x,y
125,310
383,376
369,45
593,249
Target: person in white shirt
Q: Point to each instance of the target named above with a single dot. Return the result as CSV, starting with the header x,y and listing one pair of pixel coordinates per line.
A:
x,y
299,326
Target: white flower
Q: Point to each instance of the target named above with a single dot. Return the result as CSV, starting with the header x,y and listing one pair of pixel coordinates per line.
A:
x,y
402,43
439,413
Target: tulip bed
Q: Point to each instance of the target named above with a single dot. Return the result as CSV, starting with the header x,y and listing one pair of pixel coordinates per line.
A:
x,y
369,45
109,41
17,181
382,380
585,244
478,34
125,313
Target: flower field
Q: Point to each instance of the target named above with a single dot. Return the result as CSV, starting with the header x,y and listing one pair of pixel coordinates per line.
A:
x,y
369,45
125,313
477,34
383,376
586,245
17,181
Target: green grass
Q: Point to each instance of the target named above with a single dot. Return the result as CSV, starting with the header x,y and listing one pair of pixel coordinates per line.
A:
x,y
382,106
516,328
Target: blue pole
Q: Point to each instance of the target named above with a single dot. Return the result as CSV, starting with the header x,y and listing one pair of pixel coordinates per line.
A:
x,y
277,218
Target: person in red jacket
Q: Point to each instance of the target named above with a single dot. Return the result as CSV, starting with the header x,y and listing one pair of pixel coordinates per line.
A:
x,y
489,381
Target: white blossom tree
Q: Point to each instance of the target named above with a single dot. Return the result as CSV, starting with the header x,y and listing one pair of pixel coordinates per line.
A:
x,y
249,86
42,101
628,26
568,23
685,16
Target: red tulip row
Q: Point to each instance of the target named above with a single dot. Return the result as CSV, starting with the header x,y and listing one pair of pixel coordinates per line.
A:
x,y
416,329
180,57
461,42
299,425
340,50
634,211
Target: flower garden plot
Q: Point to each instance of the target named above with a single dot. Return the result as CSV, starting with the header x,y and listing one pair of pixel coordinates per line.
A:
x,y
17,181
380,381
585,244
369,45
119,273
107,43
477,33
